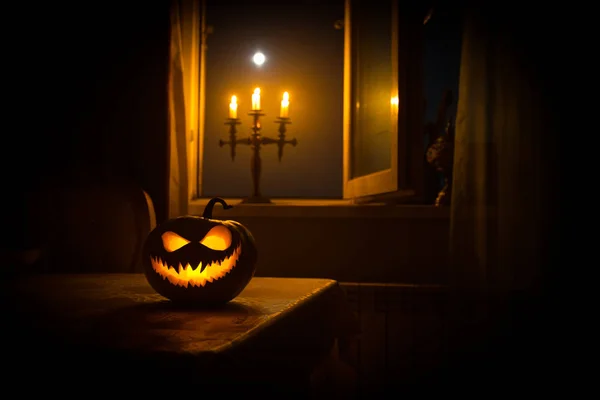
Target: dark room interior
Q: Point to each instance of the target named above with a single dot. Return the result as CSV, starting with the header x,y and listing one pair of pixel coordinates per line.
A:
x,y
378,220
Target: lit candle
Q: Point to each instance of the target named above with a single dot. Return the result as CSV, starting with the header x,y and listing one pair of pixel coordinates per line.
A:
x,y
256,99
285,106
233,108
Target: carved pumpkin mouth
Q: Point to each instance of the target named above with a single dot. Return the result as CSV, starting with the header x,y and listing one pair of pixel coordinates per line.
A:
x,y
195,275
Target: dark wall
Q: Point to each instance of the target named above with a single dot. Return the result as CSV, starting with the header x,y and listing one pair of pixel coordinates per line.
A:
x,y
88,99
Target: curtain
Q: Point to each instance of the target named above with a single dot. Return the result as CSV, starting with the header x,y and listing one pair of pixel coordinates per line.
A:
x,y
505,196
177,114
505,184
183,101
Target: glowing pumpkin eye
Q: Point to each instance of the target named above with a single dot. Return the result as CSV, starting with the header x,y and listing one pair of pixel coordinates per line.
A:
x,y
172,241
218,238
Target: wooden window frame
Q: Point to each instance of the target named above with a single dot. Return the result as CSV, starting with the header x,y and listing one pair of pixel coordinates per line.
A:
x,y
404,180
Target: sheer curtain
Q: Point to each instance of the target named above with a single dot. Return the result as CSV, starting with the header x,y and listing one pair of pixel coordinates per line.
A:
x,y
505,185
184,106
177,116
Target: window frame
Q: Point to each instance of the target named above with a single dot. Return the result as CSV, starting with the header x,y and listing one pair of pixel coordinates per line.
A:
x,y
405,180
405,177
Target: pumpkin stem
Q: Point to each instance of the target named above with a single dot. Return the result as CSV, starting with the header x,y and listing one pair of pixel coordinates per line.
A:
x,y
208,210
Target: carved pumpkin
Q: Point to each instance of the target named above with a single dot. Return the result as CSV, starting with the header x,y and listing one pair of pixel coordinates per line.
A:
x,y
201,260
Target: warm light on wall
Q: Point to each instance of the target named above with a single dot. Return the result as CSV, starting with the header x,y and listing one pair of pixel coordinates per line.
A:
x,y
256,99
395,101
233,108
285,106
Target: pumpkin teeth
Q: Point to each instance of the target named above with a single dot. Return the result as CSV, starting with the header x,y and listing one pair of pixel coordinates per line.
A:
x,y
195,277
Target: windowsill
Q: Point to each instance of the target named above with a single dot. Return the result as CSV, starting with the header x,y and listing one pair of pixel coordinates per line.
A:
x,y
320,208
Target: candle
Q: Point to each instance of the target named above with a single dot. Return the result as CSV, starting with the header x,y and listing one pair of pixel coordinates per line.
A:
x,y
233,108
285,106
256,99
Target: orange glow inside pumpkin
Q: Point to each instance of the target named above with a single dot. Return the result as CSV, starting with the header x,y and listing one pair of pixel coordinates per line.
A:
x,y
172,241
188,275
218,238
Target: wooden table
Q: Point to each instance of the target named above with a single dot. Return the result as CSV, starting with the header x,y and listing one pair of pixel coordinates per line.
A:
x,y
114,327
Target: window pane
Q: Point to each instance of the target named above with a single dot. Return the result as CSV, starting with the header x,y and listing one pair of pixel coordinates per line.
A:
x,y
305,56
372,86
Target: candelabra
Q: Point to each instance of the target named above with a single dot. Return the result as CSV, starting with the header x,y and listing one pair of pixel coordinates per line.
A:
x,y
256,140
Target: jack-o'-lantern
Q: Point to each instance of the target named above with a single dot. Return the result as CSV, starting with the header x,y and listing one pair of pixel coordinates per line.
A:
x,y
192,259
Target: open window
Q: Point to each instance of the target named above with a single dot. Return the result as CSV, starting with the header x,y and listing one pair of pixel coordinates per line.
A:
x,y
382,98
382,150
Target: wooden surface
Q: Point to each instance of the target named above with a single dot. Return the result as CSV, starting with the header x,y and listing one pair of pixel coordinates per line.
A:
x,y
275,325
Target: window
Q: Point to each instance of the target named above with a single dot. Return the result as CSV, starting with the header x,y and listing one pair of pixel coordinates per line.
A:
x,y
304,57
371,133
383,114
380,132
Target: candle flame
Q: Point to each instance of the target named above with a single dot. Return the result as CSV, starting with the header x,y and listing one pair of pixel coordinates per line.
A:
x,y
256,99
285,104
233,108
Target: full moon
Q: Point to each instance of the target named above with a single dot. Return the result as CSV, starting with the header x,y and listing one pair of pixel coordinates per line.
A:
x,y
259,59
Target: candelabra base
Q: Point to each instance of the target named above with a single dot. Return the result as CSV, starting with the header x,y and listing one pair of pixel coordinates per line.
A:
x,y
256,200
